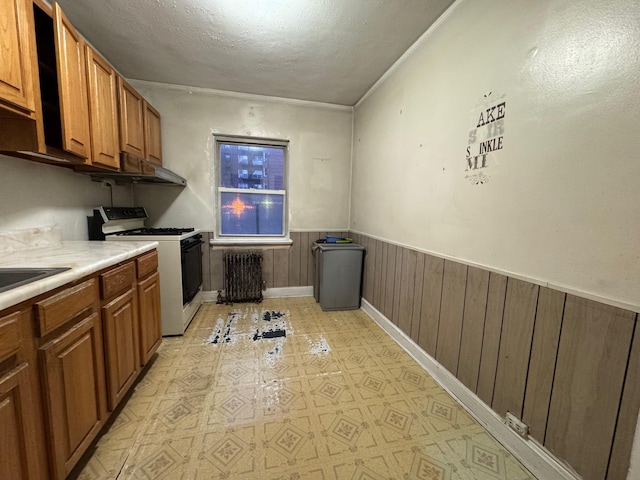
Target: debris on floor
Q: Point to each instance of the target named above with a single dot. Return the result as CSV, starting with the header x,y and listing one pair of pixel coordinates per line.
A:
x,y
269,324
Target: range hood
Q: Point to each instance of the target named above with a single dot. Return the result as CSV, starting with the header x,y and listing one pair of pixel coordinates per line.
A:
x,y
141,171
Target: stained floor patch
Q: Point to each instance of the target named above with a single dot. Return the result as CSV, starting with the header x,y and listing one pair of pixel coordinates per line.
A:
x,y
267,315
271,333
319,346
268,324
273,325
222,332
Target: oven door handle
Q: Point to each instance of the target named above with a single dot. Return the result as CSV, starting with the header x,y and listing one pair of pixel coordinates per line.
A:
x,y
191,246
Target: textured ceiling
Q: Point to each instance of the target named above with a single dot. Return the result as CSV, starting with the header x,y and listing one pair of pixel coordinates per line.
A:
x,y
321,50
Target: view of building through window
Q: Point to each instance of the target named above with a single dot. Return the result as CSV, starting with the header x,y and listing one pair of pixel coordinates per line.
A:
x,y
251,166
243,169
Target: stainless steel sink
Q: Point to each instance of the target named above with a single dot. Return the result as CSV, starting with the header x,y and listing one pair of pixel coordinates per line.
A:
x,y
16,277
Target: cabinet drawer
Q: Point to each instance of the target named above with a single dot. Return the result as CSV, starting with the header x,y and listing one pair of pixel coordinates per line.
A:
x,y
64,306
117,280
147,263
9,335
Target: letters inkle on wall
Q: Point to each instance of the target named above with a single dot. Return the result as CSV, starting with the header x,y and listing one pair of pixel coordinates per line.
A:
x,y
486,137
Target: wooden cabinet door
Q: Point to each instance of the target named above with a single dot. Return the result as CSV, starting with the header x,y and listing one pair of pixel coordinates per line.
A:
x,y
16,431
74,392
150,316
131,115
72,86
120,321
16,73
152,133
103,111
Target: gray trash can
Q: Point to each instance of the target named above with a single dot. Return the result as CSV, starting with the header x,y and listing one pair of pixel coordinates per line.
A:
x,y
338,275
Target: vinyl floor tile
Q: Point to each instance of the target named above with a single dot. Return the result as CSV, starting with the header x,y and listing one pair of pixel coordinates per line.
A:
x,y
284,391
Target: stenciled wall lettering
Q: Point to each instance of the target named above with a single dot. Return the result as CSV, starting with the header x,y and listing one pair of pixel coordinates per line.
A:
x,y
485,138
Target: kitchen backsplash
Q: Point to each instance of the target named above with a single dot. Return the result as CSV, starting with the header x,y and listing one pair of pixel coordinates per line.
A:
x,y
17,240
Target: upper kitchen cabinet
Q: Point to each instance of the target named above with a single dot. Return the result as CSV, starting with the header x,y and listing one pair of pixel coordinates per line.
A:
x,y
59,130
62,103
72,86
103,111
153,138
131,120
18,78
140,135
62,109
16,69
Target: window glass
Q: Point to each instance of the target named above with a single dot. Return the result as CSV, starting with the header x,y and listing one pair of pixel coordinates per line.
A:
x,y
251,214
265,172
251,188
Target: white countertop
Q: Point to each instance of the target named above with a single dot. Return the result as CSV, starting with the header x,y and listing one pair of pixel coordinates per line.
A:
x,y
84,258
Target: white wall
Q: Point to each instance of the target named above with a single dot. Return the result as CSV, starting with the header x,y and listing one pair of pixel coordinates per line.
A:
x,y
34,195
319,153
562,203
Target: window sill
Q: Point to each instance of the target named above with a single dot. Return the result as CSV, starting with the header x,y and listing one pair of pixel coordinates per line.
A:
x,y
250,242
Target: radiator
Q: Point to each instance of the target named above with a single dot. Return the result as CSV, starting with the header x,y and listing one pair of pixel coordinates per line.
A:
x,y
242,276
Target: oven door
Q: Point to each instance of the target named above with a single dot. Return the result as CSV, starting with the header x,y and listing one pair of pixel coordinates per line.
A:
x,y
191,255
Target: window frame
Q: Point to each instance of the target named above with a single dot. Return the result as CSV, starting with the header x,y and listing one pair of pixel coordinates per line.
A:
x,y
250,239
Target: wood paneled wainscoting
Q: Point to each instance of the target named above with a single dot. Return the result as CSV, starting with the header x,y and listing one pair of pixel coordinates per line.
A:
x,y
567,366
283,266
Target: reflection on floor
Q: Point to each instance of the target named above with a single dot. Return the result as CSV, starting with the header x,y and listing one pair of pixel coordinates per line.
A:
x,y
282,390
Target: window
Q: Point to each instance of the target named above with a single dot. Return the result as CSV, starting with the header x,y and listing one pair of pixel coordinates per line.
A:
x,y
251,202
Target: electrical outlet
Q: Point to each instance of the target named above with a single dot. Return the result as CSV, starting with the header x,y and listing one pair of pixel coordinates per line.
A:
x,y
516,425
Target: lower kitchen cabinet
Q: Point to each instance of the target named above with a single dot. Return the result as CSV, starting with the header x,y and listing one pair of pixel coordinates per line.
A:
x,y
121,346
74,392
150,316
22,451
67,359
16,426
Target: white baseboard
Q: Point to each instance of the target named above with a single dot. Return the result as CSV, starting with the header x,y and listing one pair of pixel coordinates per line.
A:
x,y
209,296
535,457
288,292
212,295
